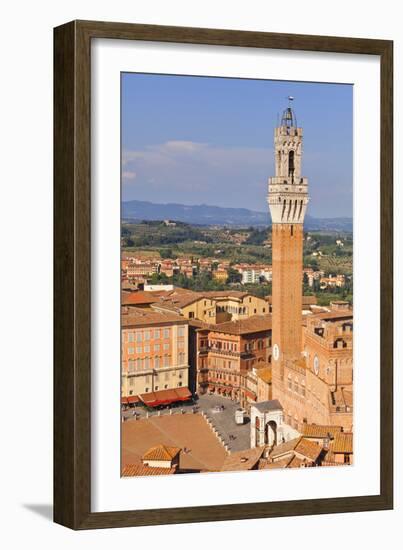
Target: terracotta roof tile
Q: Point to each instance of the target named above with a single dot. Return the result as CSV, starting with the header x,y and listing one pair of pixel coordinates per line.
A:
x,y
308,449
256,323
299,445
131,470
319,431
144,317
333,315
138,297
282,463
284,448
342,443
295,462
242,460
161,452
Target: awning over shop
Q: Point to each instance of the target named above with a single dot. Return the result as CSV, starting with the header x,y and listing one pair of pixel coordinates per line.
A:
x,y
133,399
250,395
165,397
130,400
183,394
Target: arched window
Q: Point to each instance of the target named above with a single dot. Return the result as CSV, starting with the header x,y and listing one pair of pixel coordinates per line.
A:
x,y
291,163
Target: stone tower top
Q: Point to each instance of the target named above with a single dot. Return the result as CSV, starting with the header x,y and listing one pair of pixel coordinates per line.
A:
x,y
288,190
288,118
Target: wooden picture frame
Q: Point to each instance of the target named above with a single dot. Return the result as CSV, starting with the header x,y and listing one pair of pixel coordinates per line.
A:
x,y
72,272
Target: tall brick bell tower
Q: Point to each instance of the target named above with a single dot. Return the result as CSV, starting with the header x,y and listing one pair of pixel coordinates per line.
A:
x,y
287,198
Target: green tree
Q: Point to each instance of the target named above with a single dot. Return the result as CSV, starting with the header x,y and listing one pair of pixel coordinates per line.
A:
x,y
234,276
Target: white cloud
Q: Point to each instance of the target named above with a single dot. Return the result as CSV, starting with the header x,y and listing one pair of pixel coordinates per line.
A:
x,y
182,146
175,153
189,171
129,175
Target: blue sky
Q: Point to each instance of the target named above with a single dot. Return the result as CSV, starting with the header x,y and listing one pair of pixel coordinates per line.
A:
x,y
202,140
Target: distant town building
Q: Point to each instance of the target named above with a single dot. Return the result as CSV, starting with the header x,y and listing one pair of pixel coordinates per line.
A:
x,y
254,273
220,275
332,281
145,269
158,288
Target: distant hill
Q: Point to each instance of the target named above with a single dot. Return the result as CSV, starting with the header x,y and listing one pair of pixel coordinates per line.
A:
x,y
203,214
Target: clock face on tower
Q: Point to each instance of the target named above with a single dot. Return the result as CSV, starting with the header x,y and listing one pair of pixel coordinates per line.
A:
x,y
316,364
276,352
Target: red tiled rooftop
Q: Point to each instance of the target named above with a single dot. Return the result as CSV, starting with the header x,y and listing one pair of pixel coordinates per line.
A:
x,y
242,460
161,452
144,317
319,431
342,443
131,470
256,323
138,298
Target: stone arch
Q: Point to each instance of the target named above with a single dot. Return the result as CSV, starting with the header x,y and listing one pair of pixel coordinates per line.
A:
x,y
271,433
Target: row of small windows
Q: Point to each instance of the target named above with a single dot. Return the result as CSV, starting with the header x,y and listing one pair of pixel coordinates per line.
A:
x,y
226,346
237,310
226,377
232,346
156,362
257,344
146,348
220,363
146,390
156,334
157,378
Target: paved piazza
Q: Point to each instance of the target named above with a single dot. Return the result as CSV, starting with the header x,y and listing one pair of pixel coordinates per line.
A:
x,y
201,450
186,429
236,436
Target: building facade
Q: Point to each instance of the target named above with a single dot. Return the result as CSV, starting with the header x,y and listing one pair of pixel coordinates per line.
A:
x,y
154,352
227,354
